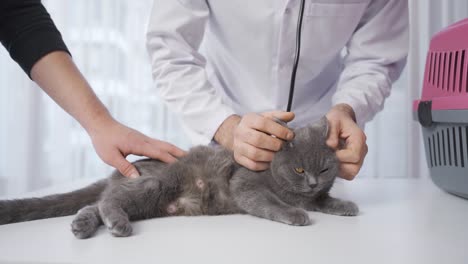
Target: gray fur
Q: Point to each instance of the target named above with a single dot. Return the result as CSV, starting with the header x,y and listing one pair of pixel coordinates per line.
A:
x,y
207,181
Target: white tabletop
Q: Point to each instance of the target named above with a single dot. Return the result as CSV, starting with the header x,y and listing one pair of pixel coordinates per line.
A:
x,y
401,221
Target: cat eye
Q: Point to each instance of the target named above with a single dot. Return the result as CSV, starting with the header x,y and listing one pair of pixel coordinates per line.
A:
x,y
299,170
324,170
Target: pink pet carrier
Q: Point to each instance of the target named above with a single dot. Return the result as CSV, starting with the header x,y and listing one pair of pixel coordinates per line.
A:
x,y
443,109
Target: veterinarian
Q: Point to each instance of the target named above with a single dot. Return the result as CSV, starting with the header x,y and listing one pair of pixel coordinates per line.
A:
x,y
33,41
227,88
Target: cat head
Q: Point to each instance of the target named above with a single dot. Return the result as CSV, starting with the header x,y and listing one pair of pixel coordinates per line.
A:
x,y
306,164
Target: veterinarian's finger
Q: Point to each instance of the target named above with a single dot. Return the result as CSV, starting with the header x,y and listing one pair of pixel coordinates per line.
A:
x,y
268,126
349,171
283,116
348,155
354,151
124,167
260,140
253,153
333,134
250,164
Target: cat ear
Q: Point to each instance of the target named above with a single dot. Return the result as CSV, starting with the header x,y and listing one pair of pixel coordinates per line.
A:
x,y
322,125
287,145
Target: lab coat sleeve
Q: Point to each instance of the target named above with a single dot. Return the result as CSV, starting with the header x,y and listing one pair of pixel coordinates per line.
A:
x,y
376,55
174,35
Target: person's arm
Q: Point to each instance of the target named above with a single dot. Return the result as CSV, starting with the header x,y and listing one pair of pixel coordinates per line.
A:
x,y
376,55
174,35
33,41
59,77
27,32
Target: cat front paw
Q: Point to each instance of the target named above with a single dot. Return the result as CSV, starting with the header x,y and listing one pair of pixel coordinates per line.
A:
x,y
297,217
342,208
121,228
350,209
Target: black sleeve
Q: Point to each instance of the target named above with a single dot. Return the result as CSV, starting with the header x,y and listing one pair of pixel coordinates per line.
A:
x,y
28,32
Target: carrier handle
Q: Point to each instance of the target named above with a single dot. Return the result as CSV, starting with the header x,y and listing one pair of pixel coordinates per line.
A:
x,y
425,113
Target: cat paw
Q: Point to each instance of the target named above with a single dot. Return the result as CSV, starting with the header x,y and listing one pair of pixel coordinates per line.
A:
x,y
5,214
297,217
349,209
121,228
343,208
83,227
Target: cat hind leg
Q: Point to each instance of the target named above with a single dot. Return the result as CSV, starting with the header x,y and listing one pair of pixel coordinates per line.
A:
x,y
115,219
86,222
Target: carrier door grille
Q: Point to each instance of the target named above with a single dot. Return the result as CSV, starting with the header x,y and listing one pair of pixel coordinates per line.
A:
x,y
448,147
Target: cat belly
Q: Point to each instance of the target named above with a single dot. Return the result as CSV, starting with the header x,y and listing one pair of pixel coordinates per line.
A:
x,y
186,206
203,198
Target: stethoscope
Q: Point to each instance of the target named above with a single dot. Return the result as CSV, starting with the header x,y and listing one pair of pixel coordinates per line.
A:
x,y
297,55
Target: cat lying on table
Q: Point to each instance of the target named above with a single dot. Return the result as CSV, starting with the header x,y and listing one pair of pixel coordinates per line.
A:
x,y
207,181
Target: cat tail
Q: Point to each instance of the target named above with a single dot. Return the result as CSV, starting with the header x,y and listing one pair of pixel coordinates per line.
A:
x,y
20,210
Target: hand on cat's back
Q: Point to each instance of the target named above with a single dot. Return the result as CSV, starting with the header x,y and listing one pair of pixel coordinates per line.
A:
x,y
114,141
254,138
342,122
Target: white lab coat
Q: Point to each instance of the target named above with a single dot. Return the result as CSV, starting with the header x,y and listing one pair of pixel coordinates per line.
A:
x,y
214,58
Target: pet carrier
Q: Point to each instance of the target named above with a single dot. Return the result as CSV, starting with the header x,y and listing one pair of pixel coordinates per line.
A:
x,y
442,110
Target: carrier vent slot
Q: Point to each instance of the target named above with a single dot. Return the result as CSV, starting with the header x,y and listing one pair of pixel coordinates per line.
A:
x,y
438,150
466,77
443,147
430,151
466,140
455,71
443,70
435,68
462,156
462,65
438,69
431,67
449,147
431,62
434,150
455,156
449,74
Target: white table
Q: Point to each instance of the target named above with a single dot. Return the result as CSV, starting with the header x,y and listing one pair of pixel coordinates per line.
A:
x,y
401,221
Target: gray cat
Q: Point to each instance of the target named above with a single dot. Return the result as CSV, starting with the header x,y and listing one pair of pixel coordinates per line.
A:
x,y
207,181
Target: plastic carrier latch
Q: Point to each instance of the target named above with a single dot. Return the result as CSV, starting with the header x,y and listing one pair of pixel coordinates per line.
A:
x,y
425,113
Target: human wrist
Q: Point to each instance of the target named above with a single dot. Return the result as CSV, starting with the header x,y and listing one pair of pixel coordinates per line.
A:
x,y
97,120
345,108
225,133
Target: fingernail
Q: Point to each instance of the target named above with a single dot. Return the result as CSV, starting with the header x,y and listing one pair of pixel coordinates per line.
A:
x,y
134,175
290,135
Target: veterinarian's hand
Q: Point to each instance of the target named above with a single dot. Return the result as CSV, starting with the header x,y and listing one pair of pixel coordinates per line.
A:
x,y
251,137
343,126
114,141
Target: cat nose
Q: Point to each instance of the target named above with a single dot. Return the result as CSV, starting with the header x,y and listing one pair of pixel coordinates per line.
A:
x,y
312,181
